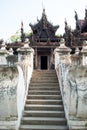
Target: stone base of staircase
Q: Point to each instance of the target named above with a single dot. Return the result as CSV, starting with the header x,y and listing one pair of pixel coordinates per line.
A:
x,y
78,128
77,125
8,125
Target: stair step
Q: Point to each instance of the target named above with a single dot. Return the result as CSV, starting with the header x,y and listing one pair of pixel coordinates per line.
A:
x,y
35,101
43,121
45,83
44,92
43,127
44,73
43,88
53,77
44,107
49,97
44,113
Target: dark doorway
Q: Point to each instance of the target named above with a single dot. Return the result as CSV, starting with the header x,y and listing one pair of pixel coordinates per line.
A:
x,y
43,62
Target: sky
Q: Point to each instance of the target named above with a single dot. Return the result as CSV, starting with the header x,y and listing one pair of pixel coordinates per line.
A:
x,y
12,12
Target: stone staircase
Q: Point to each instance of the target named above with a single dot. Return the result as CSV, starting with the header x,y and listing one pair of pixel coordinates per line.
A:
x,y
44,107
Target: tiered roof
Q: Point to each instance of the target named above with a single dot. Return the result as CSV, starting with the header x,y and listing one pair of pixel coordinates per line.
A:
x,y
43,30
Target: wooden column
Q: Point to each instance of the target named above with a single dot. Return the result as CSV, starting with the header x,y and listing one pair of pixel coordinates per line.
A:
x,y
36,58
52,59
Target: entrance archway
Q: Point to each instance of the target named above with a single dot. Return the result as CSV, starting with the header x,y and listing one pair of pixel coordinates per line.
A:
x,y
44,63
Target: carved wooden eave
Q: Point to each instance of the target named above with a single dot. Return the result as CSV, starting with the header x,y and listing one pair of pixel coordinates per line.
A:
x,y
14,45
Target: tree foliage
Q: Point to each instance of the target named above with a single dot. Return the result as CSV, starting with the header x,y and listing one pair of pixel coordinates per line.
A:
x,y
17,36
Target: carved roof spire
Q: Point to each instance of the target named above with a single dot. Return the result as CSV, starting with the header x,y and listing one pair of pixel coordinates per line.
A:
x,y
22,28
77,22
44,19
86,14
22,32
76,16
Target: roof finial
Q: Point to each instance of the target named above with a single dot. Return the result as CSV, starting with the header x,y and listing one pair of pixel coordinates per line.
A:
x,y
42,4
43,11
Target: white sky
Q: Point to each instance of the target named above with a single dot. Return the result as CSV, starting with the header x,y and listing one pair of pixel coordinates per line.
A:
x,y
12,12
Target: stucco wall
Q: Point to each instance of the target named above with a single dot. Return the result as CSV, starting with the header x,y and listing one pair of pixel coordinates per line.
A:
x,y
23,85
8,92
72,75
73,84
14,84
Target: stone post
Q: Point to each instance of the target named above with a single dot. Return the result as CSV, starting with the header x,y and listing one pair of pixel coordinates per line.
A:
x,y
62,53
3,55
25,54
25,61
84,53
11,58
76,59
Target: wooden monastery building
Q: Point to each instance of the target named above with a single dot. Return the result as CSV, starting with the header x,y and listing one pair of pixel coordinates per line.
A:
x,y
43,39
75,38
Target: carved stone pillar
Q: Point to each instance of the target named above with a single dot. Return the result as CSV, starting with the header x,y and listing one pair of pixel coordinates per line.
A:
x,y
62,53
25,54
3,54
84,53
76,59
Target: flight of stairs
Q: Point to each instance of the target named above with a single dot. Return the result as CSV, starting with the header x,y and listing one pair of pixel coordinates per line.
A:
x,y
44,107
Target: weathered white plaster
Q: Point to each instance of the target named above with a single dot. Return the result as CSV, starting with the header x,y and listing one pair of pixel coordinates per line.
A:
x,y
62,54
22,89
84,53
3,55
25,68
73,84
7,57
14,86
20,93
8,95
